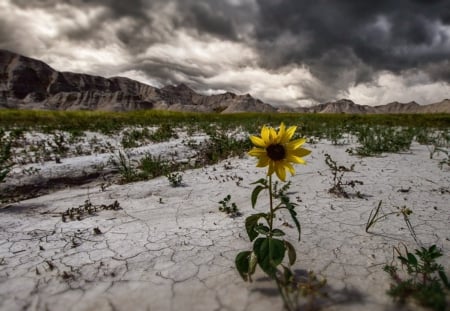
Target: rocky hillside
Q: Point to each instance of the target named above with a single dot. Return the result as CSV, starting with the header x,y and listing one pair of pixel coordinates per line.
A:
x,y
27,83
348,106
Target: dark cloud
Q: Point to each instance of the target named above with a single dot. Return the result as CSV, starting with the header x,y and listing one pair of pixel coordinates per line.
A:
x,y
342,44
205,20
379,33
332,37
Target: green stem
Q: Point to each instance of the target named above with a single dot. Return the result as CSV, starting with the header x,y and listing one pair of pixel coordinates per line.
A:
x,y
271,206
288,305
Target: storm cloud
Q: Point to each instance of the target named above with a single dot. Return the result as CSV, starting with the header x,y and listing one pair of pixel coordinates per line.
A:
x,y
285,52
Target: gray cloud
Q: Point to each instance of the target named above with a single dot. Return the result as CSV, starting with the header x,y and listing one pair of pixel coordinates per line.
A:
x,y
334,37
319,49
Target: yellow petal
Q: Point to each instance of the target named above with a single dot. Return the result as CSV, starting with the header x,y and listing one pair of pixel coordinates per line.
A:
x,y
289,133
290,168
265,135
257,152
281,172
295,159
300,152
273,135
296,143
257,141
281,133
263,161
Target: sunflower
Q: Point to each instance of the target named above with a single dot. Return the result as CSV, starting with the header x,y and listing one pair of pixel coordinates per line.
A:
x,y
277,151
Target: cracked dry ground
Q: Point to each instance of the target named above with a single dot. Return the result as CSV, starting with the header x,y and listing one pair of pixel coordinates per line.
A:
x,y
171,249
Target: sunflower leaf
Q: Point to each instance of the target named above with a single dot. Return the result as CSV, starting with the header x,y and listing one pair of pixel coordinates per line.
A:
x,y
262,229
255,194
292,255
278,232
270,253
261,181
444,278
251,222
242,262
296,222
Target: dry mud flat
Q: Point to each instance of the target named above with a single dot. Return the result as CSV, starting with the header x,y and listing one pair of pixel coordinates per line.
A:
x,y
169,248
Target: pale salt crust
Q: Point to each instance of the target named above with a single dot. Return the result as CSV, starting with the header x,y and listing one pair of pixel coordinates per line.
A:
x,y
171,249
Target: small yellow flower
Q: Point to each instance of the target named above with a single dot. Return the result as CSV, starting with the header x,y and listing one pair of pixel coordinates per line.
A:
x,y
276,151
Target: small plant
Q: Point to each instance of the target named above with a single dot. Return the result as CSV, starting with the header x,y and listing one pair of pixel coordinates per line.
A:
x,y
5,155
133,138
220,146
123,163
446,161
435,140
175,179
151,167
335,135
30,171
232,210
308,286
424,279
377,215
58,146
87,209
163,133
377,139
338,172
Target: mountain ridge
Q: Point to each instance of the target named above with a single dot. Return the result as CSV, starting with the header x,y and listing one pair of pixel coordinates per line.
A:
x,y
27,83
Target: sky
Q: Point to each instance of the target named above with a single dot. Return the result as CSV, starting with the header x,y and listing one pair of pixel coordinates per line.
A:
x,y
284,52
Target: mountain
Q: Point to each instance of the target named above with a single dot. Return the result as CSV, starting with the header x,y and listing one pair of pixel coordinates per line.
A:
x,y
443,106
27,83
347,106
340,106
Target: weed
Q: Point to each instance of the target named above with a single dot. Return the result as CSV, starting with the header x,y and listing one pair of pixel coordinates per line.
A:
x,y
123,163
295,288
175,179
220,146
58,146
377,215
30,171
151,167
87,209
435,140
5,155
131,139
163,133
338,172
445,161
231,210
424,279
377,139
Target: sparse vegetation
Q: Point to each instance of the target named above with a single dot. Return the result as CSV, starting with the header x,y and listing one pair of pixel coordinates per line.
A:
x,y
339,184
421,278
175,179
229,208
375,140
63,134
377,215
5,155
87,209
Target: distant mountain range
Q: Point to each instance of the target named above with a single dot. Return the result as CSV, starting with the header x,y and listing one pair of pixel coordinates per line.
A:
x,y
27,83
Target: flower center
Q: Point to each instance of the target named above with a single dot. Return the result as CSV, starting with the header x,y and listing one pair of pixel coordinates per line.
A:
x,y
276,152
